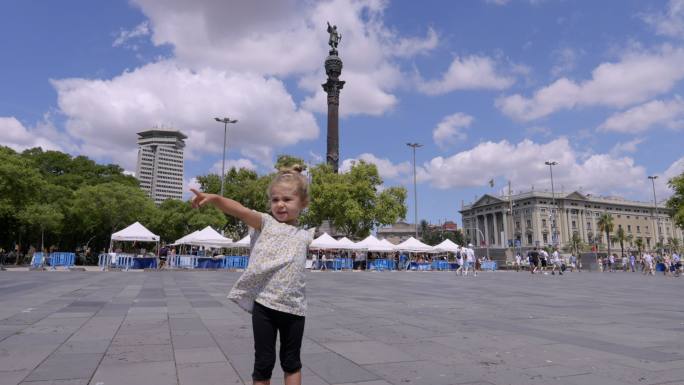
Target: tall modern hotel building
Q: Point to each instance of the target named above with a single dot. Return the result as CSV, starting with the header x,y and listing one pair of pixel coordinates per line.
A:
x,y
160,164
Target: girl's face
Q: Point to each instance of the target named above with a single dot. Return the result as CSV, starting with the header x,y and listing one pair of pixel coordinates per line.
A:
x,y
286,204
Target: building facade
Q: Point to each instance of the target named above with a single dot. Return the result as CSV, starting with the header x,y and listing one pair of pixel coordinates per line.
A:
x,y
160,164
540,219
398,232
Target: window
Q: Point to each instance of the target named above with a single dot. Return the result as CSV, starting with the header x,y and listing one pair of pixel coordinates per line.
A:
x,y
517,225
589,225
528,224
546,238
574,224
629,228
529,239
543,222
638,229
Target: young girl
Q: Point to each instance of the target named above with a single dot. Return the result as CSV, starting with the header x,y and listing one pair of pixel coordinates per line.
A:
x,y
272,287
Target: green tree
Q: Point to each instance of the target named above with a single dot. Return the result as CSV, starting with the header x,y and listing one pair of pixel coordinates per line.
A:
x,y
639,243
575,244
351,202
673,244
98,211
676,201
176,218
285,161
620,237
241,185
44,217
605,225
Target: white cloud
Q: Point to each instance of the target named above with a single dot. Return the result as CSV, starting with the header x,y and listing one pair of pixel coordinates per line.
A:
x,y
669,23
635,78
626,147
289,38
566,60
19,137
142,29
450,129
233,163
105,115
523,163
468,73
668,113
386,168
662,189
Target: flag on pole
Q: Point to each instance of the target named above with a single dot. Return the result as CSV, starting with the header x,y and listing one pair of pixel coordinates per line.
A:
x,y
491,182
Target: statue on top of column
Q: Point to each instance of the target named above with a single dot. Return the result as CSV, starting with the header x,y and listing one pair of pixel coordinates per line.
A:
x,y
335,37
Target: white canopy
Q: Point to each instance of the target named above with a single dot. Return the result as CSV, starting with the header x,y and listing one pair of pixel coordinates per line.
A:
x,y
373,244
447,245
208,237
325,241
183,239
414,245
135,232
346,243
244,242
388,243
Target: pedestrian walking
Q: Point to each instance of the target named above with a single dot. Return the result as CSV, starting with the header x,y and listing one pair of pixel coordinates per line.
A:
x,y
272,286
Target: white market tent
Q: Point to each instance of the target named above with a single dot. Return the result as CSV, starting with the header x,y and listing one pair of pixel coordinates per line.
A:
x,y
208,237
448,246
244,242
388,243
347,244
325,241
414,245
374,245
133,233
186,238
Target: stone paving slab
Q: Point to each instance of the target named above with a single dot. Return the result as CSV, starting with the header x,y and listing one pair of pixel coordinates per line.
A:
x,y
399,328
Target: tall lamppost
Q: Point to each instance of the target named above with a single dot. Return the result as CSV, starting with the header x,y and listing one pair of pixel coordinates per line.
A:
x,y
655,209
552,216
225,122
415,190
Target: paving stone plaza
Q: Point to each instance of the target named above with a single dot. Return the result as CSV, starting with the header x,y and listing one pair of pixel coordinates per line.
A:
x,y
431,328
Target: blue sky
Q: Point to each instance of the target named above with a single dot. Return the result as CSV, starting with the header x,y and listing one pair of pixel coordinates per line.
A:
x,y
492,89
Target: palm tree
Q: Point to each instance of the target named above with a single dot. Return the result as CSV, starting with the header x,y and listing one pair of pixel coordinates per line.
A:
x,y
605,225
639,244
575,243
621,236
673,245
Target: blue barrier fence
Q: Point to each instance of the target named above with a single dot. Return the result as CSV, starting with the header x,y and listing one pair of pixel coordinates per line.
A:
x,y
342,264
37,260
439,265
382,264
489,265
235,262
61,259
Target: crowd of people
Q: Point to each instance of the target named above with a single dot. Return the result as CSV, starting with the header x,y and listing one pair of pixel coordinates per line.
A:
x,y
538,261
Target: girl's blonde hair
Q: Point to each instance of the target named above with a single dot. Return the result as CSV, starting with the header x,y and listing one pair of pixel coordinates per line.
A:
x,y
292,175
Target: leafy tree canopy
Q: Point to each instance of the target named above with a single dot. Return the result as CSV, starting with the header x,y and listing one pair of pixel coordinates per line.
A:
x,y
676,202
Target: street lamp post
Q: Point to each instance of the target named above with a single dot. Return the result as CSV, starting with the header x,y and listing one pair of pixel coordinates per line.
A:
x,y
655,209
552,216
225,122
415,190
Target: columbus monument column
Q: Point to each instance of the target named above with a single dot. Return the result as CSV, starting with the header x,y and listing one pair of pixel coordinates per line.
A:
x,y
332,87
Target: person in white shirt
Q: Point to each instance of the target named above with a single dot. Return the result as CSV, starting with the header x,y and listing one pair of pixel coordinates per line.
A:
x,y
459,261
517,262
324,259
556,263
648,264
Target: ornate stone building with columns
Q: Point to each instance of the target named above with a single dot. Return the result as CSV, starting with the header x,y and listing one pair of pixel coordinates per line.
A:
x,y
535,222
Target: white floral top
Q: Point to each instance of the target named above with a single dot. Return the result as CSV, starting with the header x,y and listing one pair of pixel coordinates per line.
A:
x,y
277,267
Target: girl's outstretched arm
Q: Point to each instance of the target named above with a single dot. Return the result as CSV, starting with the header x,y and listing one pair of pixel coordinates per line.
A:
x,y
228,206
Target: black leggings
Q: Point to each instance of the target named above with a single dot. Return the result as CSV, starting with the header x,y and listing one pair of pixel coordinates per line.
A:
x,y
266,323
